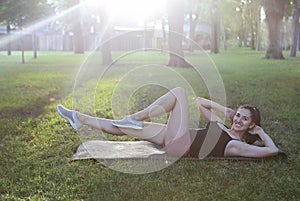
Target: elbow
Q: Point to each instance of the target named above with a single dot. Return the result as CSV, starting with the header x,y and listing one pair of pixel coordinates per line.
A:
x,y
270,151
274,151
202,102
198,100
199,103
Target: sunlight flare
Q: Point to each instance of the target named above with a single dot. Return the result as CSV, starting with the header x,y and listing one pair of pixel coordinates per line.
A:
x,y
136,10
35,26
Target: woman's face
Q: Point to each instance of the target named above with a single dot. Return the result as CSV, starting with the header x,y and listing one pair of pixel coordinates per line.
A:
x,y
242,120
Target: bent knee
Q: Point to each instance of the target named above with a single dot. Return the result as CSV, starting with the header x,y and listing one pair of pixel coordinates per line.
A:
x,y
178,91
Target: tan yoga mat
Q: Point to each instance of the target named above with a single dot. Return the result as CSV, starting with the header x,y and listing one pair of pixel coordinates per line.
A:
x,y
97,149
112,150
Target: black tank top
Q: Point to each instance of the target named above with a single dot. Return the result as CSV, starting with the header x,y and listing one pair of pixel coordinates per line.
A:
x,y
210,141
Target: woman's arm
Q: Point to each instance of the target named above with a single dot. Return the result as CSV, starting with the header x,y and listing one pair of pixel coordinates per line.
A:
x,y
237,148
265,138
206,106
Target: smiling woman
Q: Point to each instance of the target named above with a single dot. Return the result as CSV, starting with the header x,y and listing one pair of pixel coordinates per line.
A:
x,y
136,10
174,137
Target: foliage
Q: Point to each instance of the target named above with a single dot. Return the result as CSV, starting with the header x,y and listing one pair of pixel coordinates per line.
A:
x,y
21,13
36,143
239,18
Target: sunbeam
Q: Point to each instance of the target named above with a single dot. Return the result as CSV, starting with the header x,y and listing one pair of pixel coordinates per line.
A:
x,y
131,10
37,25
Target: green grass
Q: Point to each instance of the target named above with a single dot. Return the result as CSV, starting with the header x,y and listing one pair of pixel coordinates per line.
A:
x,y
36,144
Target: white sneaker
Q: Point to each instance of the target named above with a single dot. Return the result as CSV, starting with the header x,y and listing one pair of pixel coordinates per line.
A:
x,y
128,122
71,116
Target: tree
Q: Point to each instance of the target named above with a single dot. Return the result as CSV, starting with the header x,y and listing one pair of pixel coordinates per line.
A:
x,y
193,12
252,18
176,19
228,21
198,12
295,36
78,42
106,30
238,22
274,10
215,29
19,14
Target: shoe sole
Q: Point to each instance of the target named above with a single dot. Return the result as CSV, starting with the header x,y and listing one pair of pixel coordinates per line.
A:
x,y
67,118
127,126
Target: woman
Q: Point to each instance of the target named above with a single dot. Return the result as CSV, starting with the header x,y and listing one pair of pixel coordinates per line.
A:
x,y
175,136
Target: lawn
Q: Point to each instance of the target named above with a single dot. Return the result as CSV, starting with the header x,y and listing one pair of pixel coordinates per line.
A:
x,y
36,144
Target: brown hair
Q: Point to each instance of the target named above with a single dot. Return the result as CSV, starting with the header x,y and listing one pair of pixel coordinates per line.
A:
x,y
255,116
255,113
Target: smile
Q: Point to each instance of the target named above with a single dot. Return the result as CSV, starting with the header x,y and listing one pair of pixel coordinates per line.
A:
x,y
238,125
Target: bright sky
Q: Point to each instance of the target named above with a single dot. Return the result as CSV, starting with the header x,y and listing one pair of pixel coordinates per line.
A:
x,y
137,10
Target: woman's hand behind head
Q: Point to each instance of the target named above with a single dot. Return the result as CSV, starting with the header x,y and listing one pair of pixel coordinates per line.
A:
x,y
256,130
229,113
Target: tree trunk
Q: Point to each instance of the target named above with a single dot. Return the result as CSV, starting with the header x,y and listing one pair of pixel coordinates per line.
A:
x,y
22,48
285,36
9,42
299,39
106,50
258,31
193,23
274,50
274,14
295,32
34,42
252,37
252,28
214,30
225,38
22,42
176,19
78,42
106,29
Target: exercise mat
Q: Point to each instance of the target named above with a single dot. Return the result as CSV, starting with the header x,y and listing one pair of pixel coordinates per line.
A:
x,y
112,150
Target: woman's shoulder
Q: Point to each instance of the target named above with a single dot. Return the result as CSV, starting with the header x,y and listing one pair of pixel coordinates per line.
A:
x,y
217,124
226,130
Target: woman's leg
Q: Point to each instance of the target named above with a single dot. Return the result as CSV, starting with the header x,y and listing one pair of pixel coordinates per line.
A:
x,y
162,105
99,123
152,132
175,137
